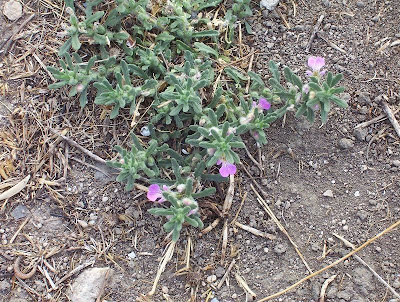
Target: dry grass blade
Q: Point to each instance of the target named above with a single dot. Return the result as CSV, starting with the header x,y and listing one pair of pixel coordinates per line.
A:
x,y
280,226
79,147
229,196
381,280
391,117
164,261
245,287
255,231
226,274
15,189
314,32
368,242
324,287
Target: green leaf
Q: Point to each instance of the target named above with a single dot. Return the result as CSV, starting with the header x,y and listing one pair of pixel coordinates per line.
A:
x,y
339,101
191,221
57,85
235,74
203,48
204,193
336,79
205,33
165,37
95,17
65,48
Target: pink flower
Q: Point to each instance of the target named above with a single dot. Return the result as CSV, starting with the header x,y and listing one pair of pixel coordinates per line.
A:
x,y
262,104
155,193
227,168
306,88
315,63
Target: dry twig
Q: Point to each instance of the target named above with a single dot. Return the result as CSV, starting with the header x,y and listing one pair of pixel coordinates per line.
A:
x,y
314,32
262,202
391,117
324,287
358,258
368,242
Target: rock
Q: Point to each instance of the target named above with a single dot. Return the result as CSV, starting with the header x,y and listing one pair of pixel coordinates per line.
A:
x,y
345,295
19,212
12,10
219,272
280,248
4,285
269,4
87,286
360,133
132,255
396,163
83,223
211,278
362,215
346,143
328,193
360,4
396,284
327,3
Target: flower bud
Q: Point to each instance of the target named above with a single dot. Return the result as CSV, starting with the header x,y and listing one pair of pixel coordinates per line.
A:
x,y
181,188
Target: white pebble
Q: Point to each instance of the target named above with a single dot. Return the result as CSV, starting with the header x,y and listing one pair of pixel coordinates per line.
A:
x,y
104,199
132,255
357,193
83,223
345,228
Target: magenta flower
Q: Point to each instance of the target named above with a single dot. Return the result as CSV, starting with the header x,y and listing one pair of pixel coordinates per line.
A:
x,y
155,193
316,63
227,168
262,104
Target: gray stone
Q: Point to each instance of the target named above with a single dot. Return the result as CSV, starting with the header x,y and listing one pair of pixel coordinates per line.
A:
x,y
396,163
88,284
269,4
328,193
19,212
396,284
280,248
360,133
345,295
12,10
4,285
346,143
327,3
220,271
360,4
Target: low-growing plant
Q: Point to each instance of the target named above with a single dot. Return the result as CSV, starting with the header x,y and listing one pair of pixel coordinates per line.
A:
x,y
168,55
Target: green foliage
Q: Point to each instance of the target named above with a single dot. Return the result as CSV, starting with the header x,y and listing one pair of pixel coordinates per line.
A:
x,y
165,56
135,161
183,208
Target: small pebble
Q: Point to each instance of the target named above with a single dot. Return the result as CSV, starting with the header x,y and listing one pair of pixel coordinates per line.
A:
x,y
211,278
104,199
346,143
357,193
345,228
83,223
378,249
328,193
164,289
12,10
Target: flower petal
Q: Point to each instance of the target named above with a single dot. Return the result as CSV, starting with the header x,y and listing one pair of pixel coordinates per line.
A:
x,y
319,63
224,170
154,192
232,168
312,62
264,104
